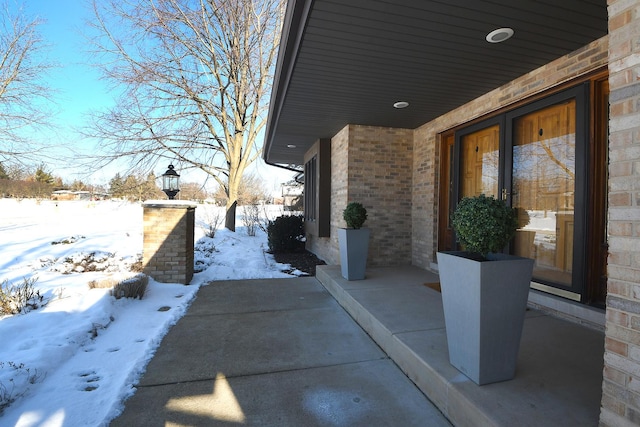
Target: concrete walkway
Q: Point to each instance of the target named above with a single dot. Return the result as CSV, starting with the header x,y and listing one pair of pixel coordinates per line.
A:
x,y
277,352
558,376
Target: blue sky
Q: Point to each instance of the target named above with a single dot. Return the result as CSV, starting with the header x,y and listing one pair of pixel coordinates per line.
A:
x,y
78,83
79,88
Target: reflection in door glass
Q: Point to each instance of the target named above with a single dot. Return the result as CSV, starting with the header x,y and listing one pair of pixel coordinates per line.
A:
x,y
543,190
479,163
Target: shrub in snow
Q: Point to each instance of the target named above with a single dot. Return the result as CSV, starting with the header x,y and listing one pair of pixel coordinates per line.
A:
x,y
286,234
251,218
136,266
83,262
203,251
108,282
20,298
212,220
133,287
129,287
67,240
16,386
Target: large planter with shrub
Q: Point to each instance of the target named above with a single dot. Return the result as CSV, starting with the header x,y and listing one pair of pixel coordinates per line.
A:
x,y
484,292
354,242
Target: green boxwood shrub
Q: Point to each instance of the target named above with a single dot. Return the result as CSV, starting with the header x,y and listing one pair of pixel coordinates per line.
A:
x,y
354,215
484,224
286,234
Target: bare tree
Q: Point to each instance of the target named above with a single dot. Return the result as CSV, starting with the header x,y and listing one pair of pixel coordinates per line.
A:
x,y
251,190
196,76
192,191
24,94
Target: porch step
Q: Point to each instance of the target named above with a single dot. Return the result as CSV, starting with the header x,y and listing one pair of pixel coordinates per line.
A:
x,y
559,373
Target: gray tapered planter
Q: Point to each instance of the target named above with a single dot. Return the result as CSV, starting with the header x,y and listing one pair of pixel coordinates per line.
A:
x,y
354,249
484,308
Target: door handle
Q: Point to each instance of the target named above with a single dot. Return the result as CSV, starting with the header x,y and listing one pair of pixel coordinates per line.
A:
x,y
506,194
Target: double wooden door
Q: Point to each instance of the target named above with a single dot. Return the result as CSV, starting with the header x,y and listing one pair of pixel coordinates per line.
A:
x,y
535,158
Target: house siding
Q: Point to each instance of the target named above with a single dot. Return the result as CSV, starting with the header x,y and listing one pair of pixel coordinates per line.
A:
x,y
621,382
371,165
426,138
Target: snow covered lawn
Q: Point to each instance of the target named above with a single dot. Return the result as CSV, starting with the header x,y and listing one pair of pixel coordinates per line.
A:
x,y
74,359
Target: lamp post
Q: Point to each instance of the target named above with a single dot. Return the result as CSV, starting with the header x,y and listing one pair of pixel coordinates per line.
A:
x,y
170,182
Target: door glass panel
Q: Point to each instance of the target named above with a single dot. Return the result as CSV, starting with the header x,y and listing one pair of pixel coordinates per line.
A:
x,y
479,162
543,189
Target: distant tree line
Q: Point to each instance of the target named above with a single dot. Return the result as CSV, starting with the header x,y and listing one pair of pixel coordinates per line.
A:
x,y
19,182
134,187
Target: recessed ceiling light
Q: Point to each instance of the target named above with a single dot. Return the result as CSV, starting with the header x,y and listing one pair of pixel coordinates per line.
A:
x,y
499,35
401,104
291,146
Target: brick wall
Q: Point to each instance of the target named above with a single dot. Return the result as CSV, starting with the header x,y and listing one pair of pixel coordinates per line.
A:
x,y
167,253
371,165
326,248
380,178
426,138
621,384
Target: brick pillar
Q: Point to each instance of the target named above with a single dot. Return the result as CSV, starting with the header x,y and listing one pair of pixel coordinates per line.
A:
x,y
621,385
167,253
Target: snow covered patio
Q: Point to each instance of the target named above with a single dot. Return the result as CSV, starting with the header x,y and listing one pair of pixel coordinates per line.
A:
x,y
559,373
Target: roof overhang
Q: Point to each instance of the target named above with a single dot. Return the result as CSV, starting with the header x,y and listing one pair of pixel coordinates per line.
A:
x,y
349,62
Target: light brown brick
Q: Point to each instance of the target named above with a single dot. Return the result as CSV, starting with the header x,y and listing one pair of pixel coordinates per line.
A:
x,y
615,375
616,346
168,243
618,317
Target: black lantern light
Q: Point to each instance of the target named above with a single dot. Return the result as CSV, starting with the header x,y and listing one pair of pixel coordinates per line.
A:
x,y
170,183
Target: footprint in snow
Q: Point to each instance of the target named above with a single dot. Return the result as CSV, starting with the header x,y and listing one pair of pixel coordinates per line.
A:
x,y
88,381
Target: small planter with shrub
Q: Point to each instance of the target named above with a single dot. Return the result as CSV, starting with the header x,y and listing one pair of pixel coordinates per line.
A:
x,y
484,291
354,242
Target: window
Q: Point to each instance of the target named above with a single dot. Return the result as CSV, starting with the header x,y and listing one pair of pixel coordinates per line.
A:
x,y
317,189
310,189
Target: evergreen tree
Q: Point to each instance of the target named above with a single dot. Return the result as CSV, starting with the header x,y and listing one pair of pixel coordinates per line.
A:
x,y
43,176
116,186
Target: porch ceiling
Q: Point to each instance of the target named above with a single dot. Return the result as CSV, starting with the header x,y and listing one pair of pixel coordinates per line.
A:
x,y
348,62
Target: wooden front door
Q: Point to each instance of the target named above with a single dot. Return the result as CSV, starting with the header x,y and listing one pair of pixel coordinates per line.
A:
x,y
548,160
543,189
479,162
